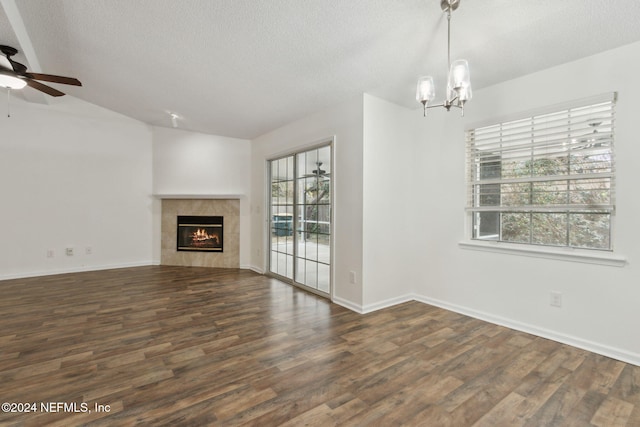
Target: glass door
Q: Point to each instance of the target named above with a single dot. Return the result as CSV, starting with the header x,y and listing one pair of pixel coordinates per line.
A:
x,y
300,219
281,217
313,214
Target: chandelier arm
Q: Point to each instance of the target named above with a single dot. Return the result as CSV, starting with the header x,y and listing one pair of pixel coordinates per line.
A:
x,y
426,107
460,106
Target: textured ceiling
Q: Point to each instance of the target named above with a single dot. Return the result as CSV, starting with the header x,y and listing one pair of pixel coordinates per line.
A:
x,y
241,68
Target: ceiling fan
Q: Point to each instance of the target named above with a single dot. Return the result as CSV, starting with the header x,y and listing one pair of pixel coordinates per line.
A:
x,y
318,173
593,139
14,75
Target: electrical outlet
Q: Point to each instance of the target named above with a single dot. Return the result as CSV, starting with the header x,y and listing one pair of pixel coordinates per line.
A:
x,y
69,251
50,253
352,277
555,299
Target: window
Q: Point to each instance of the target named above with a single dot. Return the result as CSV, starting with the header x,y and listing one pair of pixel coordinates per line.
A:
x,y
546,179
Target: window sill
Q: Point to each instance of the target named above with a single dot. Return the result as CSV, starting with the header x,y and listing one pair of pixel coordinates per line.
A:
x,y
562,254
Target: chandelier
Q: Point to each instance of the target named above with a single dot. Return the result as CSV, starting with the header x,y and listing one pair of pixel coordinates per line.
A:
x,y
458,82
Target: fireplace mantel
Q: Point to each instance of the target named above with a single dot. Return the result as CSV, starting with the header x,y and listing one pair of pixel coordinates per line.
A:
x,y
199,196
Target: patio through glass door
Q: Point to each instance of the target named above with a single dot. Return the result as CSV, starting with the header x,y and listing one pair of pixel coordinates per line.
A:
x,y
300,219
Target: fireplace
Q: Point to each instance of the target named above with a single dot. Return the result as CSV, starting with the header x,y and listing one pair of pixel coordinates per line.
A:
x,y
200,233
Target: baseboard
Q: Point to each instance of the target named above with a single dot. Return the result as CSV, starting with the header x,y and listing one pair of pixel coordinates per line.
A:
x,y
348,304
252,268
612,352
364,309
74,270
387,303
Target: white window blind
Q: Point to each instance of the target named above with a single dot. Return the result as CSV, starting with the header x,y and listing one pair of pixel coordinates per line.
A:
x,y
545,179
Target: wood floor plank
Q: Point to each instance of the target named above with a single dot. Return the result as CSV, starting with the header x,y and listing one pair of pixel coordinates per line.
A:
x,y
195,346
557,408
612,413
584,411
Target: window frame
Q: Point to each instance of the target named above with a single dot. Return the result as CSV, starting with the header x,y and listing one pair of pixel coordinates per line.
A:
x,y
473,185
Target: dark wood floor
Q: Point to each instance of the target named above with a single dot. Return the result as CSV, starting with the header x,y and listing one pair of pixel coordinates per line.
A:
x,y
195,346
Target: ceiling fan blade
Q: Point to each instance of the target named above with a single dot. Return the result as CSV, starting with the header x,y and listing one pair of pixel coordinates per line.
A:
x,y
44,88
56,79
5,63
18,67
322,176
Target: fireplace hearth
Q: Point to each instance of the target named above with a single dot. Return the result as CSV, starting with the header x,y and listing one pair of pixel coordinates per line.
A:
x,y
200,233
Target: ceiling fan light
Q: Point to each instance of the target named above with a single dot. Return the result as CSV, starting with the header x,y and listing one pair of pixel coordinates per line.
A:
x,y
11,82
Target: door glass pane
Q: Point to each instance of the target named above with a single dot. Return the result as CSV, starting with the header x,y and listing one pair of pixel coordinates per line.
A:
x,y
273,261
311,246
324,249
300,270
323,277
289,266
311,276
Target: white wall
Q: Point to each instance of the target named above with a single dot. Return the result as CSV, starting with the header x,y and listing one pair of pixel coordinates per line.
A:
x,y
600,303
389,217
72,175
191,163
343,122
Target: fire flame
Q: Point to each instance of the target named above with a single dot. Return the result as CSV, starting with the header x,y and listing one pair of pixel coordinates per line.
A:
x,y
201,235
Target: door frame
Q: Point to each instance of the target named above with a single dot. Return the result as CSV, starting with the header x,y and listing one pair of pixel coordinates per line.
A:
x,y
325,142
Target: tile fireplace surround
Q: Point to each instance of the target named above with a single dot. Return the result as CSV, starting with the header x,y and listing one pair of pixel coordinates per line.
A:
x,y
228,208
